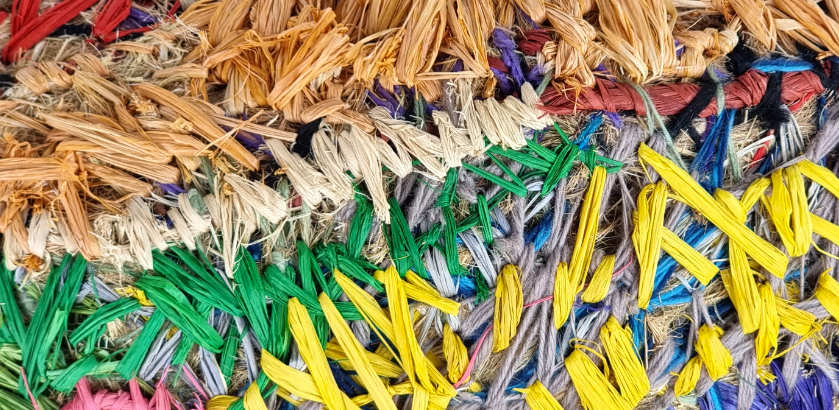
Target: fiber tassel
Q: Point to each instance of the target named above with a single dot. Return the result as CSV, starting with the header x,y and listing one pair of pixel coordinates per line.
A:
x,y
457,357
538,397
564,294
629,371
508,307
827,293
593,387
587,231
304,333
600,281
688,377
647,237
716,358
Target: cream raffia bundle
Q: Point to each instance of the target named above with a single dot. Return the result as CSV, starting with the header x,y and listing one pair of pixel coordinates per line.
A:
x,y
432,204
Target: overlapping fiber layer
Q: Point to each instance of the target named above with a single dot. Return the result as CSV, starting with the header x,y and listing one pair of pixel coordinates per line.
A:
x,y
431,204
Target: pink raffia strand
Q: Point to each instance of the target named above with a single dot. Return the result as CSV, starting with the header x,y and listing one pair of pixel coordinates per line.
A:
x,y
124,400
468,371
26,384
474,357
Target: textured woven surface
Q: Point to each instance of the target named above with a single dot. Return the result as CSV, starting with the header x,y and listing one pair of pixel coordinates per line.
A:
x,y
547,205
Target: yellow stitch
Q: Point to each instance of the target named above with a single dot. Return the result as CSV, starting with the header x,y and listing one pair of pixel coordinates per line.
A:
x,y
406,342
291,381
508,307
563,295
716,357
754,192
356,354
629,371
827,294
647,237
381,324
595,391
253,398
825,229
382,366
680,181
587,231
600,281
688,257
420,399
820,175
538,397
795,320
303,331
740,282
767,335
457,357
220,402
418,289
802,226
688,377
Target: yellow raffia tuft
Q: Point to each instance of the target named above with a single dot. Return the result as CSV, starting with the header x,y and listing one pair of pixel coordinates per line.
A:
x,y
788,210
688,377
716,357
699,266
827,293
416,288
538,397
796,320
457,357
767,335
820,175
356,354
647,237
692,194
220,402
595,391
303,331
380,323
629,371
253,398
563,295
739,280
413,359
508,307
587,231
600,280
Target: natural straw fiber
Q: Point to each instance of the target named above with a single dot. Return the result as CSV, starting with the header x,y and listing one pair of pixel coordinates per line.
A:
x,y
543,204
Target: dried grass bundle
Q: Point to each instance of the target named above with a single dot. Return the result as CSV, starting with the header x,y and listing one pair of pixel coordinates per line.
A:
x,y
424,30
305,54
204,125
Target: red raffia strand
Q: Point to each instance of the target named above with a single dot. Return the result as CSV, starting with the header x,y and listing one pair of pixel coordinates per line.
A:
x,y
23,12
174,9
471,364
534,41
109,16
3,16
37,29
670,99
